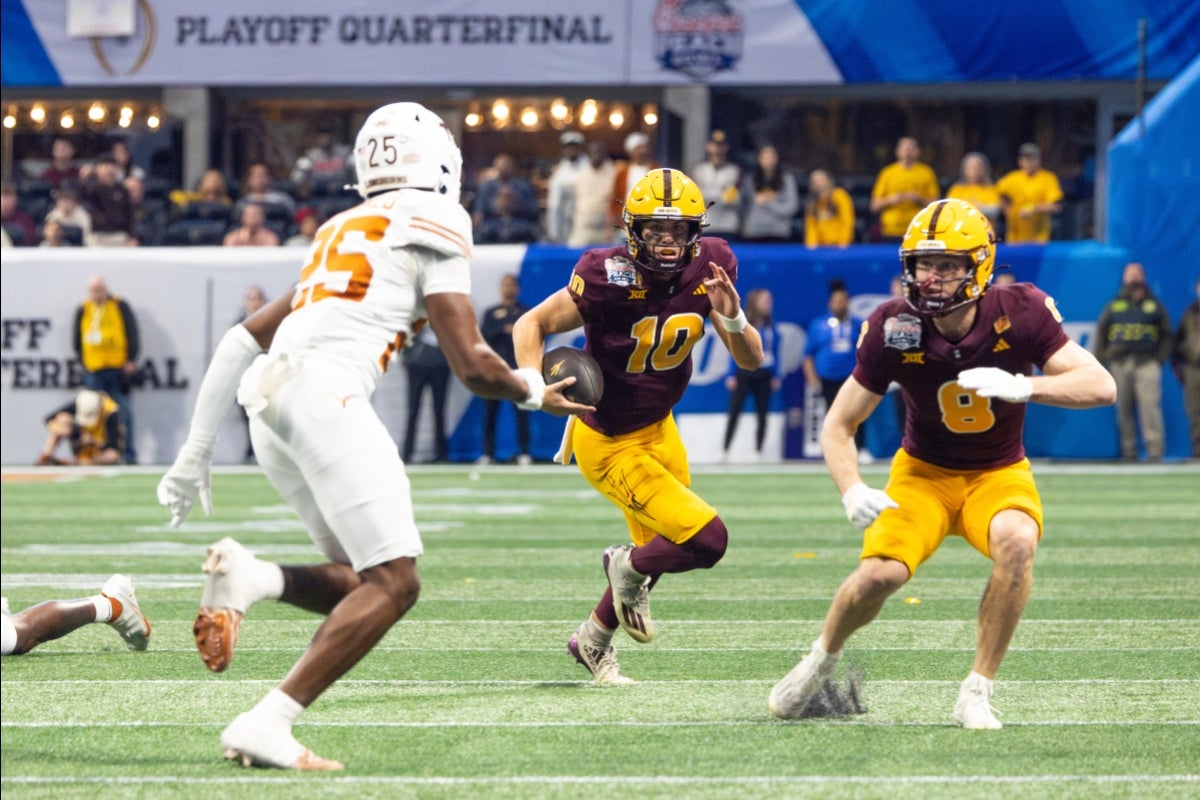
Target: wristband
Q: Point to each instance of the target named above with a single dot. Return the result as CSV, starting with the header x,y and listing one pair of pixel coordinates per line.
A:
x,y
536,387
734,324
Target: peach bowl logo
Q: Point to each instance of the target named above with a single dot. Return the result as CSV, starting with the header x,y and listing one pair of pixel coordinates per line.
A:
x,y
697,37
131,50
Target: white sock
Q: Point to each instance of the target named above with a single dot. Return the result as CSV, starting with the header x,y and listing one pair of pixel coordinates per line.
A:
x,y
818,648
268,580
104,608
976,679
597,632
278,709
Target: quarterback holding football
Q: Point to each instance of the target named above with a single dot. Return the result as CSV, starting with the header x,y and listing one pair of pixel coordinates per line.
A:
x,y
643,307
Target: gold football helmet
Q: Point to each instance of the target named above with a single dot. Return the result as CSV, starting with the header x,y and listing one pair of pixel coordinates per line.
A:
x,y
664,194
954,228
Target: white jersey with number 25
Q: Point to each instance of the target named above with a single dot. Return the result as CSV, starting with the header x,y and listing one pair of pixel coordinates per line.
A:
x,y
363,287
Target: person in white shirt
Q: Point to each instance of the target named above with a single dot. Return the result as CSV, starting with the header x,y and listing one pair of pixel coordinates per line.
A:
x,y
718,178
560,194
382,271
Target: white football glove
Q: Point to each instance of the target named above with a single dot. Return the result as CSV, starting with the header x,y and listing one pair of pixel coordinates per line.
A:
x,y
863,504
995,382
186,482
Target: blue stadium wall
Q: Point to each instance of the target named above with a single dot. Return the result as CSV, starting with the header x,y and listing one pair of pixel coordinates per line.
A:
x,y
1081,276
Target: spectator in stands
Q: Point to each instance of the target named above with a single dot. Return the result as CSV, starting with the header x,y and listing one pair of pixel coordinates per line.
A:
x,y
628,173
256,189
306,228
590,224
62,163
149,218
19,226
560,195
213,188
107,342
496,325
975,186
5,240
505,174
114,605
53,235
427,368
770,199
108,201
125,166
253,231
718,180
1185,356
503,225
828,214
829,351
1031,196
1133,339
91,425
902,189
327,163
67,212
759,383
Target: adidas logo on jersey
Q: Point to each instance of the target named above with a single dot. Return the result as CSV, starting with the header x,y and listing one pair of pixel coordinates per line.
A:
x,y
700,290
1001,346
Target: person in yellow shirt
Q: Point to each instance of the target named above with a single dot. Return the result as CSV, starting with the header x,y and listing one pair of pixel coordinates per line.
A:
x,y
975,186
1031,197
902,189
828,214
106,340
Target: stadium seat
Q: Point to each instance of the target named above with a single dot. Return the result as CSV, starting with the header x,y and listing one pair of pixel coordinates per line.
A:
x,y
194,233
216,212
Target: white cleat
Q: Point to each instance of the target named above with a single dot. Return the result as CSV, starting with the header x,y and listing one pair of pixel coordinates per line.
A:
x,y
131,623
974,710
792,694
600,660
229,589
253,744
631,593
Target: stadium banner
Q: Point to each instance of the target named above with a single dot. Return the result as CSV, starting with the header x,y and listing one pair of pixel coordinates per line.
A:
x,y
458,43
455,42
186,298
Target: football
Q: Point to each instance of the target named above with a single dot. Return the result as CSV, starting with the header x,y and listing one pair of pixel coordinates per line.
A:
x,y
571,362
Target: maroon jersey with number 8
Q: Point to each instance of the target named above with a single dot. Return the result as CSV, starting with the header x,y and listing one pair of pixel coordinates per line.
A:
x,y
1016,328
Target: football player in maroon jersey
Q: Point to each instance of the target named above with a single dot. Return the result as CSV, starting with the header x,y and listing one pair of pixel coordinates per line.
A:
x,y
963,354
643,306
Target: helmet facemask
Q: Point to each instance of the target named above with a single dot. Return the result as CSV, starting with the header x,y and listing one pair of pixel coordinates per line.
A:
x,y
646,252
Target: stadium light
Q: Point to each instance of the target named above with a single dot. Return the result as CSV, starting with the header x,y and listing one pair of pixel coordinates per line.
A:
x,y
97,112
38,113
67,120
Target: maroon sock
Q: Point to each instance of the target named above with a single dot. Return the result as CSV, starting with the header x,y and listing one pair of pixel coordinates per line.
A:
x,y
605,612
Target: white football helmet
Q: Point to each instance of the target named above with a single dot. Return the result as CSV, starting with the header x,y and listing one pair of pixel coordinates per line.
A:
x,y
406,146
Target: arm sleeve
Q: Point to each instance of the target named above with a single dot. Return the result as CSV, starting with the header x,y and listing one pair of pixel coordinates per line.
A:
x,y
218,390
132,334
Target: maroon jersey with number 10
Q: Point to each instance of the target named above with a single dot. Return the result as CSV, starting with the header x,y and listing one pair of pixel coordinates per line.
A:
x,y
641,330
1016,327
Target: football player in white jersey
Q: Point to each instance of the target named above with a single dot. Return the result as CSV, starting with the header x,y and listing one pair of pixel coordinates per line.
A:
x,y
373,276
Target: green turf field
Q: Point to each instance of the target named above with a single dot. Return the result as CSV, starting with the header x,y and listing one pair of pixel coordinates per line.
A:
x,y
473,695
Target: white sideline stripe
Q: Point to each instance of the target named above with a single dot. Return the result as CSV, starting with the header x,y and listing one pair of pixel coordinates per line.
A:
x,y
607,780
682,681
719,723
